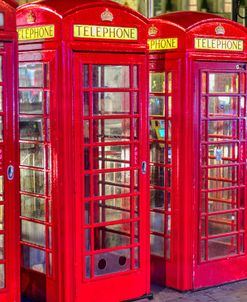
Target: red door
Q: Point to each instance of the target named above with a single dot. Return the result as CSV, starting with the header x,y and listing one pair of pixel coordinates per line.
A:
x,y
9,287
37,120
221,101
112,251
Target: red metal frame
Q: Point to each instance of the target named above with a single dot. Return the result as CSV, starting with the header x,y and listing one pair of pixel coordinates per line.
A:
x,y
187,215
9,228
108,159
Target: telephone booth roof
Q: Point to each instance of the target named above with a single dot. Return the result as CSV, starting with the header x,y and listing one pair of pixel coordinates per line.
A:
x,y
197,31
8,7
102,14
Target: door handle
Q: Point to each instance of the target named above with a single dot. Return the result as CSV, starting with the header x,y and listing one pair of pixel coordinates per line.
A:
x,y
10,172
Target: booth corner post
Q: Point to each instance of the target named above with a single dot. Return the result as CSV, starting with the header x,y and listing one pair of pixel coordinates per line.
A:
x,y
9,175
197,150
83,148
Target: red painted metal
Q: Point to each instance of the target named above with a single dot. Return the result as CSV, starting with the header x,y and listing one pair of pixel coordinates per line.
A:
x,y
208,142
95,89
9,176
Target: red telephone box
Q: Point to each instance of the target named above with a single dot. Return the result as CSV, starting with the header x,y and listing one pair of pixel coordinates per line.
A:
x,y
198,150
9,230
83,146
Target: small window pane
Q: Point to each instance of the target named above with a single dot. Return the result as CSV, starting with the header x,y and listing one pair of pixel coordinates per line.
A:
x,y
32,181
157,245
32,129
33,207
1,68
31,75
222,247
1,247
1,129
31,102
111,157
2,276
157,105
34,259
223,83
157,82
1,98
32,155
1,217
157,222
111,130
33,232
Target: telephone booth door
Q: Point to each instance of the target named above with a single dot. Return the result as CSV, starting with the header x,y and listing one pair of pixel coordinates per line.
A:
x,y
221,103
110,152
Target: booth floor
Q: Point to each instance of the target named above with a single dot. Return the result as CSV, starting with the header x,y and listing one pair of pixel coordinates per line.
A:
x,y
233,292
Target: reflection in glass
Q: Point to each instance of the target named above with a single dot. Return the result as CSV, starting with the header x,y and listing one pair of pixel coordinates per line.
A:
x,y
222,106
34,259
157,222
110,130
31,75
85,76
86,132
32,155
31,102
222,200
1,247
157,245
157,105
112,157
157,154
111,103
33,207
1,217
112,262
2,276
223,82
111,76
1,68
222,130
32,181
222,223
157,82
86,104
32,129
218,154
157,198
222,247
157,176
33,232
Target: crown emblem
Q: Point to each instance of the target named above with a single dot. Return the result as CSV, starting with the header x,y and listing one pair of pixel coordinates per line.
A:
x,y
107,15
31,18
153,30
220,30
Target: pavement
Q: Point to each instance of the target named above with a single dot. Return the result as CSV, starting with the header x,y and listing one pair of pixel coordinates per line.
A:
x,y
233,292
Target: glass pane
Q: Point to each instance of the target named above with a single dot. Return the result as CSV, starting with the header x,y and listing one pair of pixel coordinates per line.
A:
x,y
33,207
111,209
222,106
222,130
157,176
223,83
112,157
157,245
32,181
222,247
157,105
222,223
157,129
85,76
1,68
157,154
157,199
1,247
1,217
220,154
33,232
32,129
112,262
157,82
111,76
1,129
135,76
88,266
111,130
87,185
1,187
169,82
222,177
31,102
34,259
86,132
31,75
32,155
111,103
157,222
222,200
2,276
112,236
86,105
1,98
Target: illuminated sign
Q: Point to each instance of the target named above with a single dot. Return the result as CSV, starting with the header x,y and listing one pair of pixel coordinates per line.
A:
x,y
162,44
36,32
219,44
105,32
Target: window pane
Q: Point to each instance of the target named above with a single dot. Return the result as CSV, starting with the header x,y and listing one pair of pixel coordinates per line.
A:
x,y
1,98
2,276
222,223
222,106
1,247
111,76
111,103
1,129
32,155
33,207
32,129
157,245
111,130
34,259
31,75
31,102
111,157
32,181
157,82
157,222
223,83
157,105
33,232
1,217
222,247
